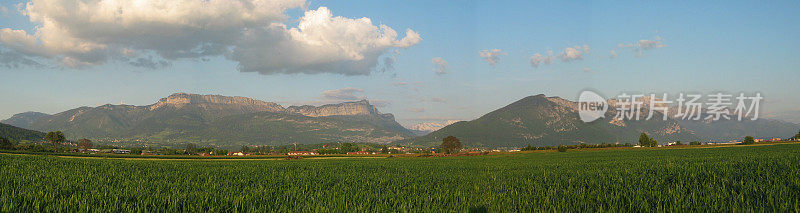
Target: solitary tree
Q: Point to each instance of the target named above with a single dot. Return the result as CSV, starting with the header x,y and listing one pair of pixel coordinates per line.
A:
x,y
85,143
55,137
694,143
644,140
797,136
749,140
450,145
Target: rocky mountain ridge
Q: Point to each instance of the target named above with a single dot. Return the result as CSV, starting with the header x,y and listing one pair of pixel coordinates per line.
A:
x,y
223,121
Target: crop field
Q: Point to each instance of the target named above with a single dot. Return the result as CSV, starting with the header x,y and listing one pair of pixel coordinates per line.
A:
x,y
750,178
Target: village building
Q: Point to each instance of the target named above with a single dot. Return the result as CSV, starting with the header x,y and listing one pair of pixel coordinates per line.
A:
x,y
302,153
361,153
120,151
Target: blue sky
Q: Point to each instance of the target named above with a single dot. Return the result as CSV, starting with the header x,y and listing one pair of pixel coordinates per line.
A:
x,y
705,47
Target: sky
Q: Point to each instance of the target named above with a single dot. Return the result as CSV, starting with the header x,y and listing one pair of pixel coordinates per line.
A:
x,y
423,61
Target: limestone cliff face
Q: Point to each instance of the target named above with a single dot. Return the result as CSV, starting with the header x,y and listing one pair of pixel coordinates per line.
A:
x,y
180,100
347,109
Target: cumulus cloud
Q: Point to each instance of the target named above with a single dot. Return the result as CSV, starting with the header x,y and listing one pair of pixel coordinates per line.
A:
x,y
586,69
491,56
612,54
538,59
343,94
639,47
319,44
569,54
440,65
573,53
250,32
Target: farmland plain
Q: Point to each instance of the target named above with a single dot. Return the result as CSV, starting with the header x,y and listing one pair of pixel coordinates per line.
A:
x,y
751,178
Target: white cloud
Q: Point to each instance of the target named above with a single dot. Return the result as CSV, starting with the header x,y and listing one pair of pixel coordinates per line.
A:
x,y
573,53
612,54
586,69
538,59
250,32
639,47
440,65
319,44
411,39
569,54
491,56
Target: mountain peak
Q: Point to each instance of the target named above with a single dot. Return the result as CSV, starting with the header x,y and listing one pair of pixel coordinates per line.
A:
x,y
23,120
362,107
179,100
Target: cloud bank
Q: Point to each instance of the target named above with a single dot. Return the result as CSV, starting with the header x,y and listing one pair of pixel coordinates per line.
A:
x,y
152,33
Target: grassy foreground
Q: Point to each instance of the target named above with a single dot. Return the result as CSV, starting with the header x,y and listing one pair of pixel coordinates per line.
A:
x,y
759,178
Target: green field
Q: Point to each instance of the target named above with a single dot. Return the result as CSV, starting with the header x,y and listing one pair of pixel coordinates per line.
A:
x,y
757,178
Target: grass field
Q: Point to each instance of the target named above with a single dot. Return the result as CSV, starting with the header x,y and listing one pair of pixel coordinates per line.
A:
x,y
757,178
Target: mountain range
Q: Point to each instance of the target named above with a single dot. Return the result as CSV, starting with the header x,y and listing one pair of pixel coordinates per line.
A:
x,y
428,127
219,121
232,122
549,121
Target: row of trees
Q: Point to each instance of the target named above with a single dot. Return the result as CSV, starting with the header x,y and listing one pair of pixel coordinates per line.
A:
x,y
644,141
55,138
344,148
577,146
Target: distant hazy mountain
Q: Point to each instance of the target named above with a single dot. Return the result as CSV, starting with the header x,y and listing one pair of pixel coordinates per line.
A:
x,y
428,127
23,120
224,121
18,134
546,121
